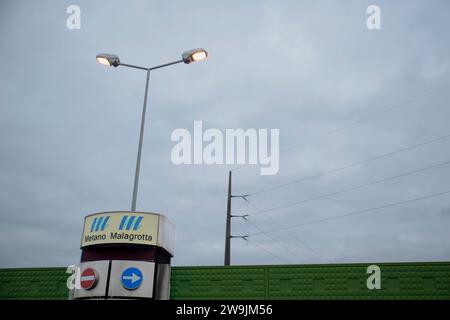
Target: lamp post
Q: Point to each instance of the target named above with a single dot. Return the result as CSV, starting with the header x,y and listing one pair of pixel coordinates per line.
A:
x,y
114,61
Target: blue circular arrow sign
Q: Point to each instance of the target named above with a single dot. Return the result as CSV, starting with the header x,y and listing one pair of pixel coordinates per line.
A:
x,y
131,278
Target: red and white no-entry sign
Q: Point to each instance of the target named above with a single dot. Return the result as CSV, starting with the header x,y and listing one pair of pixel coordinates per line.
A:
x,y
88,279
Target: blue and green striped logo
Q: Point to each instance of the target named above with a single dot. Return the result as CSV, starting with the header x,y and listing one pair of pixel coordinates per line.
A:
x,y
99,223
127,223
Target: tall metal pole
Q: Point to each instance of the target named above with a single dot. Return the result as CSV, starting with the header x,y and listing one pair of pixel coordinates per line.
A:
x,y
113,60
141,137
228,227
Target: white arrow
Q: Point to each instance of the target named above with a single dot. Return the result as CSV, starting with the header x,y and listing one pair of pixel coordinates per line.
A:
x,y
134,277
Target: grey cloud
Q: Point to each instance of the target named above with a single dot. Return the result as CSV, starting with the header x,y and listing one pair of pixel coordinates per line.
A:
x,y
69,127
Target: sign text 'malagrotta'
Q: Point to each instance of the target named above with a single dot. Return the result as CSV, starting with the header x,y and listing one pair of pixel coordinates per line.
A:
x,y
118,236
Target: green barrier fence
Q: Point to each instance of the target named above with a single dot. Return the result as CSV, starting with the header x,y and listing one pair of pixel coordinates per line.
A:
x,y
425,280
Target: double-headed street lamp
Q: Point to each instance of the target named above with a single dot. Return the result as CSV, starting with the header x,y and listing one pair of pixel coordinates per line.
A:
x,y
113,60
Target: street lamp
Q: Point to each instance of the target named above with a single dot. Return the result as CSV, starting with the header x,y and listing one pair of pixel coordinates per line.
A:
x,y
114,61
108,59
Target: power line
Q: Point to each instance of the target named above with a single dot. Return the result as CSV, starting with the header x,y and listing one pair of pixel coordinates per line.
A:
x,y
260,211
267,251
294,236
276,241
353,188
414,146
368,117
361,120
244,197
433,195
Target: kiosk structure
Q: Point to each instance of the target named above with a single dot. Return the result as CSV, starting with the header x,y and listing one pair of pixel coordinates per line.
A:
x,y
125,255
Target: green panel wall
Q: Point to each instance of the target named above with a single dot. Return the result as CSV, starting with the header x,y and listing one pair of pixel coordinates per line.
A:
x,y
319,282
341,281
219,283
33,283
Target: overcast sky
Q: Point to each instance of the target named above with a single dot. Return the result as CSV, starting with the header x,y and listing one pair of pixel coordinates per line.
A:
x,y
69,126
